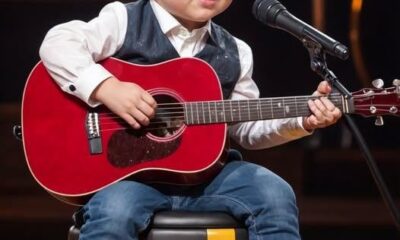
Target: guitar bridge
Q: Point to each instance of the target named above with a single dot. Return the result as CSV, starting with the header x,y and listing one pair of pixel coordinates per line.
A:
x,y
93,133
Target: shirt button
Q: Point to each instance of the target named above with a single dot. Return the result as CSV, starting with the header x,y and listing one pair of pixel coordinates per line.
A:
x,y
72,88
183,33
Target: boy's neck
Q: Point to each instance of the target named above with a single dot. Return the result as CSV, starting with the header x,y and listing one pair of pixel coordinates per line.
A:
x,y
190,25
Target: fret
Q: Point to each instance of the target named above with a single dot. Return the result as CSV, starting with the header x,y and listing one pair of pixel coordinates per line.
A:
x,y
230,107
272,108
191,112
297,108
215,112
248,109
287,107
283,107
238,110
209,112
223,110
202,112
197,112
302,106
220,112
186,117
228,111
277,108
202,117
234,112
259,112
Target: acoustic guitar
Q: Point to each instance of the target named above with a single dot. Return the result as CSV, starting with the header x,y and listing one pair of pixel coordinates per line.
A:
x,y
73,150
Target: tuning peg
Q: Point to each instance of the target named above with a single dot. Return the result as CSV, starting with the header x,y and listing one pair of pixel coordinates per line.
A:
x,y
378,83
379,121
396,83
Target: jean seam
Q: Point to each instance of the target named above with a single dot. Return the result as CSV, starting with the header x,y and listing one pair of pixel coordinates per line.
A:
x,y
146,223
243,205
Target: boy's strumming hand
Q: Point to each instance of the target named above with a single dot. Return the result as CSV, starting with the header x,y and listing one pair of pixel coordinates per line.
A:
x,y
128,100
324,112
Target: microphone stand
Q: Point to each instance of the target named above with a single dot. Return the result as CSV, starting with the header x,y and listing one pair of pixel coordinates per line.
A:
x,y
319,65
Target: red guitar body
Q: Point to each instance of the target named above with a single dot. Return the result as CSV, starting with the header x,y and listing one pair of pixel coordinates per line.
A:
x,y
57,147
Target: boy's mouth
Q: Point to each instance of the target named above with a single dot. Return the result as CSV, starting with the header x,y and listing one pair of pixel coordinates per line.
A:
x,y
208,3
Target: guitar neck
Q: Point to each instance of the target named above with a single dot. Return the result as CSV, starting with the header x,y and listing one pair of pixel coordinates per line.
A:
x,y
230,111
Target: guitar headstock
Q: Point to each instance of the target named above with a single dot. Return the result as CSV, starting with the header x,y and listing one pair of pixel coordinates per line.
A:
x,y
378,101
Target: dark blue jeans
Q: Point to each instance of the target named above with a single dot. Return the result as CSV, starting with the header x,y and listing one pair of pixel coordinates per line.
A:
x,y
249,192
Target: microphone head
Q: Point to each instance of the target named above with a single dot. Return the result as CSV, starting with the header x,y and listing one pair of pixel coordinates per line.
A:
x,y
266,11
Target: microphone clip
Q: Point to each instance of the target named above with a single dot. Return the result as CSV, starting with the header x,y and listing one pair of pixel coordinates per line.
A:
x,y
319,65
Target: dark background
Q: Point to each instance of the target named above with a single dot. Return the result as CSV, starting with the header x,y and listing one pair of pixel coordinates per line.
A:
x,y
336,194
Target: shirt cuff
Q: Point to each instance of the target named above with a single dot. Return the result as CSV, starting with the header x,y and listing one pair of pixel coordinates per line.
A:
x,y
87,82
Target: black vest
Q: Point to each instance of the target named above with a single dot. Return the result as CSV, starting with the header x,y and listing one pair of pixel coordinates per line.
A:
x,y
145,43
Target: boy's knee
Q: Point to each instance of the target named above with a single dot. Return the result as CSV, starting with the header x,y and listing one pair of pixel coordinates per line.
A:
x,y
272,190
124,201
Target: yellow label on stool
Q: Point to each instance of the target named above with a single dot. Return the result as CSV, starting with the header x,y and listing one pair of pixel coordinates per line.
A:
x,y
221,234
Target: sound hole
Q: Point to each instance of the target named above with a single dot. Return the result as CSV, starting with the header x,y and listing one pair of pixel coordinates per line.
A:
x,y
169,117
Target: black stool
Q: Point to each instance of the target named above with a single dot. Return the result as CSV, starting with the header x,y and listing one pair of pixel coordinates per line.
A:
x,y
179,225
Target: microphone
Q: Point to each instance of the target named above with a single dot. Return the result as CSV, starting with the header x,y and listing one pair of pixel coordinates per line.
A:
x,y
274,14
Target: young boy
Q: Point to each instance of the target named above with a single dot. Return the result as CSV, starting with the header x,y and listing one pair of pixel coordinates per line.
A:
x,y
152,31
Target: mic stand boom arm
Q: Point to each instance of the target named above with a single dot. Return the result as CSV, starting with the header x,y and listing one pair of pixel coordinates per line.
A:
x,y
319,65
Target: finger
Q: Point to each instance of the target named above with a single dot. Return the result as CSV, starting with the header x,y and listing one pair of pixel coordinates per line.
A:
x,y
149,99
334,112
312,121
130,120
329,105
327,117
324,88
315,109
337,113
326,110
146,109
140,117
315,122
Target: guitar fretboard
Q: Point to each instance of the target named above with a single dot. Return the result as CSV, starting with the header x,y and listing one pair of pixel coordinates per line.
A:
x,y
229,111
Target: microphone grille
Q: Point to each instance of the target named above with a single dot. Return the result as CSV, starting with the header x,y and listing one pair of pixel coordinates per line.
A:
x,y
261,10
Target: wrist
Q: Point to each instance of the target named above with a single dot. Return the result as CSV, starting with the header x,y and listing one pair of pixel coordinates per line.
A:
x,y
101,90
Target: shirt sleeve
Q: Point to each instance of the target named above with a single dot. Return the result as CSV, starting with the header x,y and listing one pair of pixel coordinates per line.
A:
x,y
264,133
70,51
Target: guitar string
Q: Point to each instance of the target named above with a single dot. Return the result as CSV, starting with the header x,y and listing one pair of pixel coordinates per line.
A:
x,y
171,127
203,122
206,108
253,113
175,127
245,102
287,100
251,103
249,111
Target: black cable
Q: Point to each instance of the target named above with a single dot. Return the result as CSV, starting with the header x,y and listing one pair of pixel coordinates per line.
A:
x,y
319,65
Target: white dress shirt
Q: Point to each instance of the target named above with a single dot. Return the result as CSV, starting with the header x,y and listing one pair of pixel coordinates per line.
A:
x,y
70,52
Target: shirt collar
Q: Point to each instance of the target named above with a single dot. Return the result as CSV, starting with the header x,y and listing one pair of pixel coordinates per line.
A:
x,y
168,22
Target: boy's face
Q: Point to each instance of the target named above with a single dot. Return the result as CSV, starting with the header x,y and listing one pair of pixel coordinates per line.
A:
x,y
194,13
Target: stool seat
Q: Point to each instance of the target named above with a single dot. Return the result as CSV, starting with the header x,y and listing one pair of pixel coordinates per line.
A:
x,y
180,225
181,219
